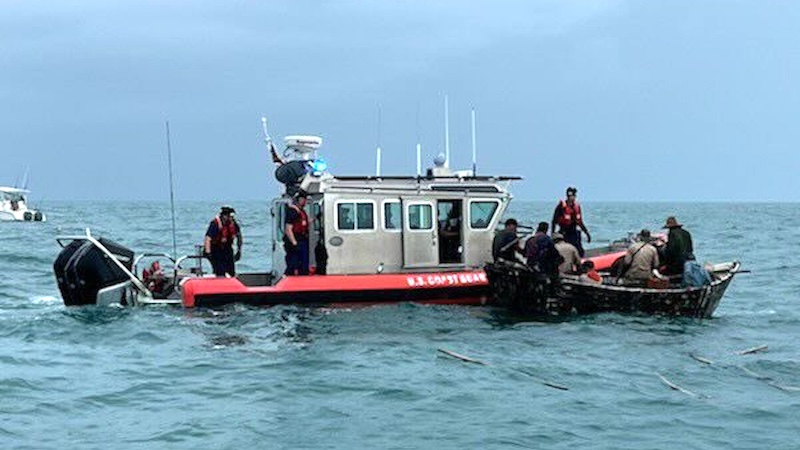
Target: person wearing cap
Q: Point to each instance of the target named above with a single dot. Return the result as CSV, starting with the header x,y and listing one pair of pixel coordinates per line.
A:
x,y
218,244
570,257
679,248
506,243
295,236
569,218
640,260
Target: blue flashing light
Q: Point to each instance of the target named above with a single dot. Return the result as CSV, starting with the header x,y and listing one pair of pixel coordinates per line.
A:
x,y
319,166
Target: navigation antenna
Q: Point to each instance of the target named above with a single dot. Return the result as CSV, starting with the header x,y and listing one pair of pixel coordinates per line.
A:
x,y
419,146
446,133
378,150
171,194
474,148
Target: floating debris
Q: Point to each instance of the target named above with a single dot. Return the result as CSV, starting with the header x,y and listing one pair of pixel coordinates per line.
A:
x,y
701,359
547,383
675,387
462,357
769,380
750,351
784,387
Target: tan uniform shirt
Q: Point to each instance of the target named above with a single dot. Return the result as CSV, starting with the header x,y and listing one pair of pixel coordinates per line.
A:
x,y
642,263
572,259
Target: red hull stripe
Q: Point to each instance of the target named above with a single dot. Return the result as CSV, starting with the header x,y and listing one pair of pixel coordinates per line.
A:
x,y
333,287
468,287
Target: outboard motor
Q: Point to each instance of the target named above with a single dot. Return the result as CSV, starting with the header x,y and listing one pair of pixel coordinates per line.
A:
x,y
82,270
27,216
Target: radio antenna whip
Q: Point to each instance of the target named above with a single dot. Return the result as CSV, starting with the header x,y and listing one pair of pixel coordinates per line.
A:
x,y
419,145
378,150
171,194
474,147
446,133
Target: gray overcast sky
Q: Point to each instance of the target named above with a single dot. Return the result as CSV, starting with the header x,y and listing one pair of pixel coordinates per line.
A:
x,y
629,100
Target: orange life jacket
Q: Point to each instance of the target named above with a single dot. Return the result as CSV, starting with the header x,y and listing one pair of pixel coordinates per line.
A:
x,y
225,233
570,215
300,225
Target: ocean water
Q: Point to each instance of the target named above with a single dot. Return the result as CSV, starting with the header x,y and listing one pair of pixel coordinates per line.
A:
x,y
288,377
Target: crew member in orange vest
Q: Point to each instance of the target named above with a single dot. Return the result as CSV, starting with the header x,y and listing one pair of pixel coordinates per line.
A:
x,y
569,218
218,244
295,236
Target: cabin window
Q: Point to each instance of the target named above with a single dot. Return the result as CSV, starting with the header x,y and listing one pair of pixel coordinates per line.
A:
x,y
355,216
420,217
481,213
391,215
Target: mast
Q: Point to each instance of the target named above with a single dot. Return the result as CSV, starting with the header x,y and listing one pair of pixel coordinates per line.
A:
x,y
171,195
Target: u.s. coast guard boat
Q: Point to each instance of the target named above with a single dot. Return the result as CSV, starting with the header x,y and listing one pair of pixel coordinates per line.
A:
x,y
384,239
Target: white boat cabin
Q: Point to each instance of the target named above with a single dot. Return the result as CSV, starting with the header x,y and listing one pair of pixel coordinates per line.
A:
x,y
373,224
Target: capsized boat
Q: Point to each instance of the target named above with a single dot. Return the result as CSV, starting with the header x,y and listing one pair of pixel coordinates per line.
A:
x,y
14,206
373,239
529,293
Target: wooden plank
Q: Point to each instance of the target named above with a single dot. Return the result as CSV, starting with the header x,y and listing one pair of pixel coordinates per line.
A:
x,y
675,387
462,357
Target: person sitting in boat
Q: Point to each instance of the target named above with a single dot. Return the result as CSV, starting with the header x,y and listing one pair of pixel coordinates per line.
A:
x,y
588,274
155,280
540,252
218,244
505,245
569,218
679,248
640,260
295,236
570,257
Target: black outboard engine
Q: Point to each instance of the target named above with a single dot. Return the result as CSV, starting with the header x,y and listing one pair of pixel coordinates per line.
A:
x,y
82,269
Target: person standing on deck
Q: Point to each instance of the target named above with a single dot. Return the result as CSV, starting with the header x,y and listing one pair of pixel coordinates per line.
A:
x,y
218,244
295,236
569,218
679,248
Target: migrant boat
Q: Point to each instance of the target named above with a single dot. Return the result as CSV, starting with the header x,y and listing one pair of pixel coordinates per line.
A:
x,y
529,293
372,239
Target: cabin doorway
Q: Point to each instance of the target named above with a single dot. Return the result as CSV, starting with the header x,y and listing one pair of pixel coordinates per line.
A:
x,y
278,213
451,237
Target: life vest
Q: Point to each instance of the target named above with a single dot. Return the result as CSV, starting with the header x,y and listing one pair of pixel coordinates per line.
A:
x,y
570,215
300,225
225,233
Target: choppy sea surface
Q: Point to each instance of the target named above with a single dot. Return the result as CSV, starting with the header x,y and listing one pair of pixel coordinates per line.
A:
x,y
287,377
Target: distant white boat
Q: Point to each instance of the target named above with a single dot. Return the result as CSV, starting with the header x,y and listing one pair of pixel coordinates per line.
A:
x,y
14,206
